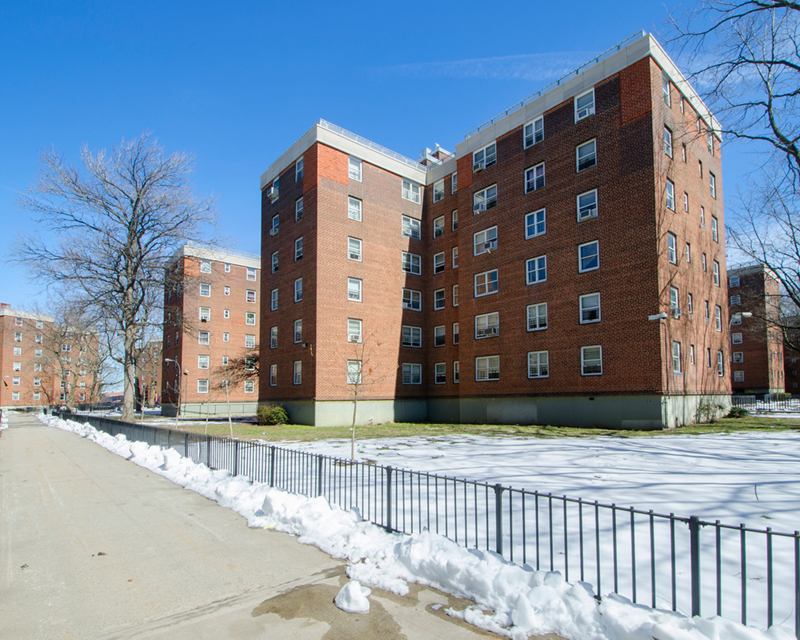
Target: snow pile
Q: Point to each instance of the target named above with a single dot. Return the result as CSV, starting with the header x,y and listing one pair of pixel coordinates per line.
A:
x,y
353,598
514,601
3,421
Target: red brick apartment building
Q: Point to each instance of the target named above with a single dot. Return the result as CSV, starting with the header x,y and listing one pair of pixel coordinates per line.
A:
x,y
41,364
148,371
211,332
757,357
512,281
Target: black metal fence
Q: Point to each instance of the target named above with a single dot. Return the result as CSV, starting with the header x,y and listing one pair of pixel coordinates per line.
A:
x,y
687,564
767,402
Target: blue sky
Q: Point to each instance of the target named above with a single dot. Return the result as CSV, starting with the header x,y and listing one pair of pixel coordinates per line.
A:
x,y
236,84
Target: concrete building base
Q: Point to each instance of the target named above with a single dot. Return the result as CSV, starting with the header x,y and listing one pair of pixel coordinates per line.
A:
x,y
612,412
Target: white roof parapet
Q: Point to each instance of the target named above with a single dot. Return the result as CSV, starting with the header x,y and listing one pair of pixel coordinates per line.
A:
x,y
17,313
350,143
606,65
218,254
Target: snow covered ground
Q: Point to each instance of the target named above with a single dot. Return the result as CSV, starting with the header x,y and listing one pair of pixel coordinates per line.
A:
x,y
513,600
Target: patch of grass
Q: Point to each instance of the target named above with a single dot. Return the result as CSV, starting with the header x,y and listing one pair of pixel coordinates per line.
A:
x,y
282,433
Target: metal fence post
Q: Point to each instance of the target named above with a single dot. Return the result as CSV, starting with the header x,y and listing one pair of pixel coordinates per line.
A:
x,y
208,451
694,547
186,445
320,460
272,466
498,516
389,498
235,457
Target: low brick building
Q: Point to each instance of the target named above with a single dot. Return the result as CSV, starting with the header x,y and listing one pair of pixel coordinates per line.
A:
x,y
562,267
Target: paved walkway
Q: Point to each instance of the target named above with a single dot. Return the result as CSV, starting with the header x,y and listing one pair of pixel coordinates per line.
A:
x,y
93,546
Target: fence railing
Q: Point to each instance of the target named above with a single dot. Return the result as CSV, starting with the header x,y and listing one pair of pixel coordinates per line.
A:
x,y
766,402
687,564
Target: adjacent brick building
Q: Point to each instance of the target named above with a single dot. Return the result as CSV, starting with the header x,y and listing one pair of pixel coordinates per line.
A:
x,y
757,353
211,332
513,280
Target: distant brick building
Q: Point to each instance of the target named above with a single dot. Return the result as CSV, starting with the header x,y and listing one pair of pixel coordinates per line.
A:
x,y
148,372
757,354
512,281
211,330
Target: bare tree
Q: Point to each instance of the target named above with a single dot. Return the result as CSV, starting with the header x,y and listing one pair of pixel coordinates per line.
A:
x,y
235,372
361,374
117,219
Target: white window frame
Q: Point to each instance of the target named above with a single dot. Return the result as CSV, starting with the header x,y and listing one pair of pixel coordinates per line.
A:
x,y
412,373
675,302
411,263
204,314
203,338
411,191
533,132
354,289
298,209
536,220
248,297
539,264
484,241
411,337
249,341
718,317
439,336
676,358
298,169
273,302
202,386
456,329
205,290
202,362
276,225
487,368
354,372
738,357
438,227
297,372
354,209
273,375
454,220
588,260
273,337
354,169
456,373
439,300
205,266
588,107
672,248
354,246
586,155
250,386
250,319
298,249
714,229
736,338
274,261
486,283
412,299
298,290
536,315
484,199
487,325
438,190
586,211
438,263
593,362
454,183
298,331
715,271
667,141
455,295
670,191
712,185
589,306
738,376
354,330
454,257
485,157
538,364
535,178
440,373
736,301
411,228
226,291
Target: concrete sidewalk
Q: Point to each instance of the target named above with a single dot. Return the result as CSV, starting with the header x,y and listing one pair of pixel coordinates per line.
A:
x,y
93,546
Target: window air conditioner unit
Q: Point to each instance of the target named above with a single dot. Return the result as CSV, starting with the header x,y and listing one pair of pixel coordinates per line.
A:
x,y
203,319
273,231
489,246
479,208
676,312
272,193
353,337
354,256
406,305
478,165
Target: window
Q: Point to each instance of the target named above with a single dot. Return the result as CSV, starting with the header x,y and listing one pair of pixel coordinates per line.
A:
x,y
412,336
676,357
738,376
411,191
714,229
718,317
487,368
298,170
704,262
683,152
700,168
354,209
298,249
736,318
18,322
736,301
734,281
670,195
273,338
202,386
537,316
487,325
485,283
668,141
588,257
273,375
273,302
411,228
686,202
250,319
203,337
276,223
736,338
227,291
456,376
354,249
38,338
412,300
205,290
587,205
665,89
707,315
226,313
15,381
37,366
412,374
584,105
535,224
672,248
455,332
691,354
354,169
438,227
412,263
712,184
534,132
688,253
738,356
454,220
702,217
438,300
439,337
586,155
18,351
38,353
202,362
298,331
17,366
250,341
440,373
205,314
274,262
354,289
538,362
689,303
716,273
485,241
438,263
205,266
250,296
297,378
15,395
674,302
720,365
354,372
484,200
536,270
37,382
590,308
455,295
592,361
298,290
36,396
353,330
298,210
454,183
250,385
438,190
534,178
710,141
485,157
454,260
